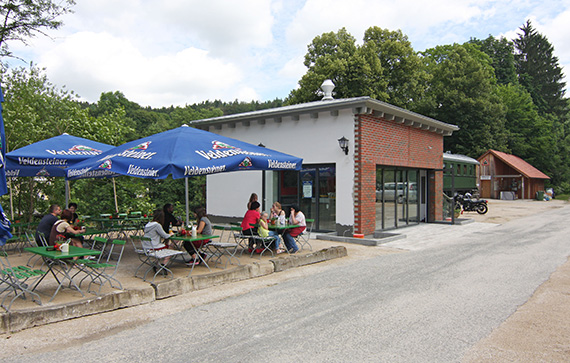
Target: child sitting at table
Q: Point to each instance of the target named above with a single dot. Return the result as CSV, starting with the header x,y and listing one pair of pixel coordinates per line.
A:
x,y
264,232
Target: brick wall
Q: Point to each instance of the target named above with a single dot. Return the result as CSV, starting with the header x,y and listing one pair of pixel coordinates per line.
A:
x,y
382,142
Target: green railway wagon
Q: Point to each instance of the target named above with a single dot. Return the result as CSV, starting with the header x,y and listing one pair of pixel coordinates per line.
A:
x,y
459,173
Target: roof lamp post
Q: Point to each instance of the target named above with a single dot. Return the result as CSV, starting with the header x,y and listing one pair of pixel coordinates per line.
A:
x,y
343,143
327,88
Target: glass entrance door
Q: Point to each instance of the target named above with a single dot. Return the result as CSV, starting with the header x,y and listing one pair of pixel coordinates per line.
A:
x,y
316,195
397,202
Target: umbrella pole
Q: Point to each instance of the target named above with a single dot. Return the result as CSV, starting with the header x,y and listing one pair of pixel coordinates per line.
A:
x,y
187,202
115,192
11,199
66,193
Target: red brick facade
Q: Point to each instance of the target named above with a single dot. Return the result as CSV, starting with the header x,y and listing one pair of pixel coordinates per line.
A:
x,y
382,142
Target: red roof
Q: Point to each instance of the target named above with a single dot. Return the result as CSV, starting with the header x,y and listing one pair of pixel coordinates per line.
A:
x,y
518,164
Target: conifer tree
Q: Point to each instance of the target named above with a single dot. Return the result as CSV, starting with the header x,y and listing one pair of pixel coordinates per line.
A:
x,y
539,72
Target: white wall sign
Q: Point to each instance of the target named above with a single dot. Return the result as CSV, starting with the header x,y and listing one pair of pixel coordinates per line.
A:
x,y
307,189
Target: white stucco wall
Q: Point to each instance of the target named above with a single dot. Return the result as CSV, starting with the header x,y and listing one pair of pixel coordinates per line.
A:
x,y
313,139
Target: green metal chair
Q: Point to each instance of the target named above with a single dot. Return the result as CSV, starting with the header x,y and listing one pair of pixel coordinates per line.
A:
x,y
15,282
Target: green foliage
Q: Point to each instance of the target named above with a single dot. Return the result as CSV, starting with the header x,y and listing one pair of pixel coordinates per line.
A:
x,y
461,93
23,19
501,52
96,196
172,191
539,71
401,65
355,71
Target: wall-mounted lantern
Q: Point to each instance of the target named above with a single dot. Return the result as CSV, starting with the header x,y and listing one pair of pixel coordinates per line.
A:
x,y
343,143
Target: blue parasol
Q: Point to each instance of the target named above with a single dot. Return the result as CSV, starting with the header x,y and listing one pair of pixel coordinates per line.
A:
x,y
182,152
50,157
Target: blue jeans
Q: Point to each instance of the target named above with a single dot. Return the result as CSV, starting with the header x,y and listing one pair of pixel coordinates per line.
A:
x,y
277,239
290,242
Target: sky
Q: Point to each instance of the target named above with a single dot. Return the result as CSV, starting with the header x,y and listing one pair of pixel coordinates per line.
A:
x,y
180,52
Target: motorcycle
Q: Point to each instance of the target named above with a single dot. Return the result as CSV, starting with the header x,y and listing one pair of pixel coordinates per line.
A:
x,y
470,205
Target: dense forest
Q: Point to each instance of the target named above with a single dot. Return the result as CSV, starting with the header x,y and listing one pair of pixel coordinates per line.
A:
x,y
504,94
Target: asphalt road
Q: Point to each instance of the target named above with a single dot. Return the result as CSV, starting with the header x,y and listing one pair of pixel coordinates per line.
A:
x,y
429,303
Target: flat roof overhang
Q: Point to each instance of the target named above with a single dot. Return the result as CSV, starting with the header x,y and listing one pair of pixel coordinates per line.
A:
x,y
358,105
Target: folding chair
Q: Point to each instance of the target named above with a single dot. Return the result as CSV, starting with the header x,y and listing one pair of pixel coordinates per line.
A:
x,y
29,239
13,280
303,238
153,258
100,244
98,269
227,248
137,246
263,243
242,241
13,243
30,235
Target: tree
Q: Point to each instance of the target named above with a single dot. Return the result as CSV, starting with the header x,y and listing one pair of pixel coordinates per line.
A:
x,y
461,93
529,135
35,110
354,71
501,52
23,19
539,72
401,65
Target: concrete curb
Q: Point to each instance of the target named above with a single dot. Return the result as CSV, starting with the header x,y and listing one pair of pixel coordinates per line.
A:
x,y
285,263
187,284
366,241
19,320
24,319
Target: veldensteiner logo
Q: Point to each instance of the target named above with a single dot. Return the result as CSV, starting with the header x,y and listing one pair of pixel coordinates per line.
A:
x,y
136,152
81,150
76,150
223,150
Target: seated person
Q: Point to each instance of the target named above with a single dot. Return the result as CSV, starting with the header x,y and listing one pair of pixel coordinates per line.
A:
x,y
252,198
47,222
296,217
252,216
278,213
204,227
169,219
154,231
73,208
64,228
264,231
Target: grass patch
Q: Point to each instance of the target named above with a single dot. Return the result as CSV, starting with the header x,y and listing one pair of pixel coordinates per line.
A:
x,y
564,197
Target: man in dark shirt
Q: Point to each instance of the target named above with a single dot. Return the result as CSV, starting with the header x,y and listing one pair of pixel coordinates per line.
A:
x,y
169,218
47,222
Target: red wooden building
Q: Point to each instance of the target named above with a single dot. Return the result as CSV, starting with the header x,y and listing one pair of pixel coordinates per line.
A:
x,y
503,174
